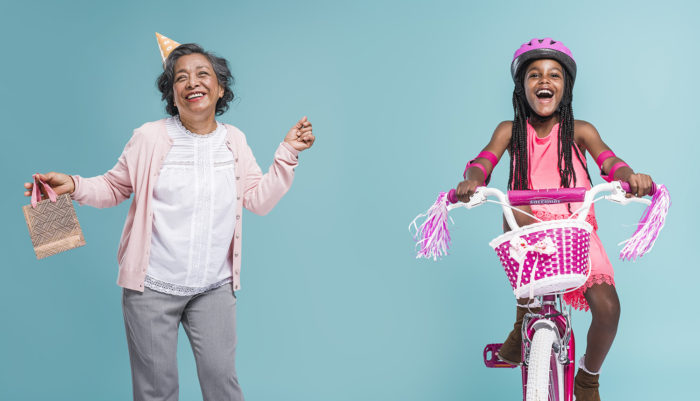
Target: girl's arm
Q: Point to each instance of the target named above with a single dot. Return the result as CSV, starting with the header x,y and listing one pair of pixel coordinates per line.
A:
x,y
587,136
476,175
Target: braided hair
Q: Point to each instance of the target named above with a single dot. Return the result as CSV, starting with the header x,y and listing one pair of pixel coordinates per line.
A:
x,y
519,166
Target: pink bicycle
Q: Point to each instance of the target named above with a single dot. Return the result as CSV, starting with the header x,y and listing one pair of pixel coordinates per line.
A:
x,y
543,261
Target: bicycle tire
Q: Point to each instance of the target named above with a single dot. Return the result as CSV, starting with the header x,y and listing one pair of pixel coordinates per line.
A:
x,y
540,366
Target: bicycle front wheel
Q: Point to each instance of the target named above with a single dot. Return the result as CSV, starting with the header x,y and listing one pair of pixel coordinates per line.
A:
x,y
543,373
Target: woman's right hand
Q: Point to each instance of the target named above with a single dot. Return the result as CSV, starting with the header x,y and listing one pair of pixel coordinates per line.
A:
x,y
60,183
466,189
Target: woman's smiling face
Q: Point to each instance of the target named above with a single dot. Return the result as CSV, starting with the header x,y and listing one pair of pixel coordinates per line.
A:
x,y
195,86
544,86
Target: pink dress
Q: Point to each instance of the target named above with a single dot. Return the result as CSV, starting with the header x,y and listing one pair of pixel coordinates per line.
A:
x,y
544,173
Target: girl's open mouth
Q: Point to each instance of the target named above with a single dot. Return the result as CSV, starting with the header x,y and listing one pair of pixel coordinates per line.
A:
x,y
544,94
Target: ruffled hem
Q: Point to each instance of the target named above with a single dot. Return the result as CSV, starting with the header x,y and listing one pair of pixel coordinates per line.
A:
x,y
547,216
181,290
576,298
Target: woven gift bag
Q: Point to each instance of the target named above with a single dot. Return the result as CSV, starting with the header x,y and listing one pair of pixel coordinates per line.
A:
x,y
53,225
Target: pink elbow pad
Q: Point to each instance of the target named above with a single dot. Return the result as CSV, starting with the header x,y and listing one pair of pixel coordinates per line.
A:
x,y
488,156
603,157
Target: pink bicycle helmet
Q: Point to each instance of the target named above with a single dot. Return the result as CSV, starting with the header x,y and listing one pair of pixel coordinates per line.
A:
x,y
543,48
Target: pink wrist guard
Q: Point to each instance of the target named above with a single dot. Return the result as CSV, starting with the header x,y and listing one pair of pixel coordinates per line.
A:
x,y
603,157
472,163
611,174
486,155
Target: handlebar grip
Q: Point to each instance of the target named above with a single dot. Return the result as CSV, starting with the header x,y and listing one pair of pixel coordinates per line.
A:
x,y
626,187
452,196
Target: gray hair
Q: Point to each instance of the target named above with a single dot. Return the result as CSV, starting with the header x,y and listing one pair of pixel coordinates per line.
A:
x,y
166,79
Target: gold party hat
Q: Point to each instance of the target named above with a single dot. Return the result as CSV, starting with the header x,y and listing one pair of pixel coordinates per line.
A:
x,y
165,45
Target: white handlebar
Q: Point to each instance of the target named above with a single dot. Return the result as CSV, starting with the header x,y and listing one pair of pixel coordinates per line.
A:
x,y
617,195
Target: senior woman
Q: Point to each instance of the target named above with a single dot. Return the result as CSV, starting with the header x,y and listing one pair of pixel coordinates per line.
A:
x,y
180,251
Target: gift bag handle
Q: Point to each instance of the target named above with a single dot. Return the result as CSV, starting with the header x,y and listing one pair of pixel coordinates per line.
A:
x,y
36,193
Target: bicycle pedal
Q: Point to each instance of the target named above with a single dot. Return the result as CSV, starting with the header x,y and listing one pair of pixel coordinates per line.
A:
x,y
491,358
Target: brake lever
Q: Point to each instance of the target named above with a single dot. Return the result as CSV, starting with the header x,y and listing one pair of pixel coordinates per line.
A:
x,y
619,195
478,199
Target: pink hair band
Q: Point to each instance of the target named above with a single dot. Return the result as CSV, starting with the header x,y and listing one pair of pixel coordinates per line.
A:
x,y
611,174
603,156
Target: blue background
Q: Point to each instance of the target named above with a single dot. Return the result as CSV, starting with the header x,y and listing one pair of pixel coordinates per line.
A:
x,y
401,94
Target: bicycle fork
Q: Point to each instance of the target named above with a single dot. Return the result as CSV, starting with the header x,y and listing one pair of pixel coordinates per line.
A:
x,y
564,352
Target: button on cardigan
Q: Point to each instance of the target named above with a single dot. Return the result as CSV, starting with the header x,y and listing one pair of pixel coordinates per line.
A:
x,y
136,172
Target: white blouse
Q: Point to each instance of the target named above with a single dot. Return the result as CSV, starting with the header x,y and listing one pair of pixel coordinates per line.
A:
x,y
194,209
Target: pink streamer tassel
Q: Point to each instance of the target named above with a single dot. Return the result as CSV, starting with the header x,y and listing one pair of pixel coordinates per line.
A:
x,y
433,237
649,227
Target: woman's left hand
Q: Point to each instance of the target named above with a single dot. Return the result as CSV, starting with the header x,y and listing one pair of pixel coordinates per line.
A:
x,y
301,137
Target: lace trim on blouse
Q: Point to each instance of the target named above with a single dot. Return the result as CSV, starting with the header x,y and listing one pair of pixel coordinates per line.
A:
x,y
178,123
181,290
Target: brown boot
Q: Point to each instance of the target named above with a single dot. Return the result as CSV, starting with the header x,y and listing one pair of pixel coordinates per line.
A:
x,y
511,350
586,386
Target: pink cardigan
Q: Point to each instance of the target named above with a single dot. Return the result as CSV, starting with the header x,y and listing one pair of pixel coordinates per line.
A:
x,y
136,172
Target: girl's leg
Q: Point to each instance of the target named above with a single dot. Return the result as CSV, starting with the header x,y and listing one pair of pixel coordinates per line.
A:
x,y
210,323
605,311
152,320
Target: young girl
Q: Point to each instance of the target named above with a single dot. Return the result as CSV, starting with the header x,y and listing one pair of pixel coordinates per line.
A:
x,y
548,149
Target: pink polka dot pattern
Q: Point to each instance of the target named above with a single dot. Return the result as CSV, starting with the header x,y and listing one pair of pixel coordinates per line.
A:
x,y
565,269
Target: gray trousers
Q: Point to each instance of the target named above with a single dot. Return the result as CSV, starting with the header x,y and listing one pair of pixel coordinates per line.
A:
x,y
152,320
